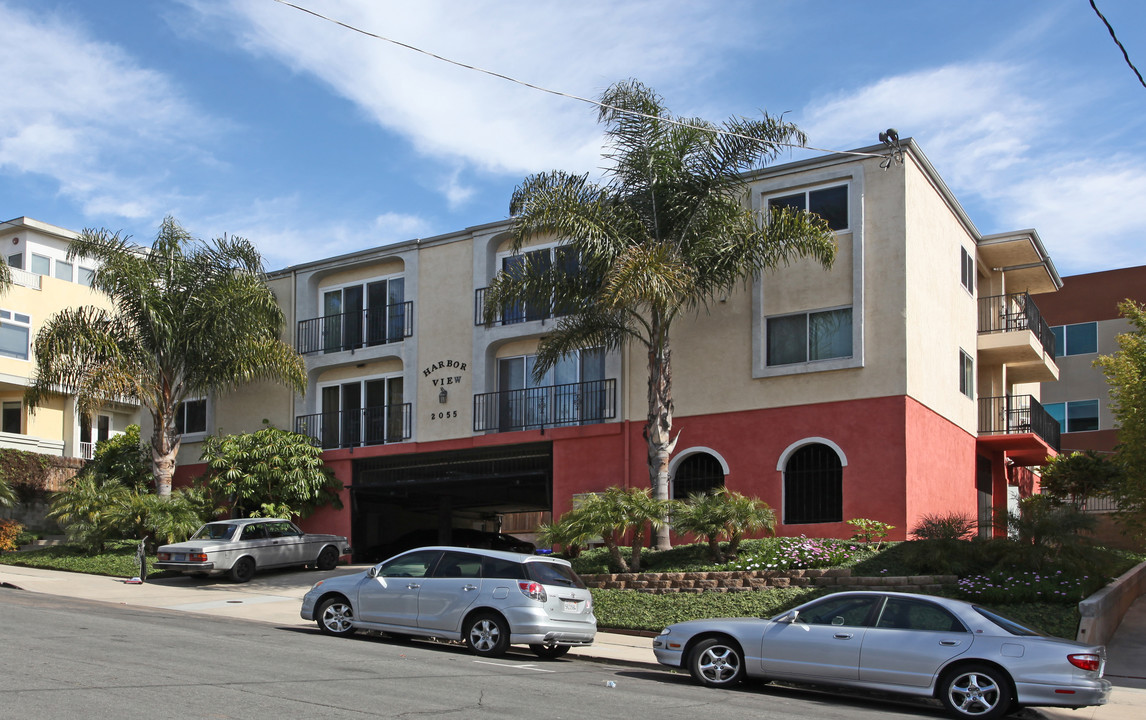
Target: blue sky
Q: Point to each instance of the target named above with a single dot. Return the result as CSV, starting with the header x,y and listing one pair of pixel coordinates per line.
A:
x,y
252,118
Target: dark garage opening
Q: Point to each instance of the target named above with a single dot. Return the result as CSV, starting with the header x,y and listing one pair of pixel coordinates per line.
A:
x,y
397,494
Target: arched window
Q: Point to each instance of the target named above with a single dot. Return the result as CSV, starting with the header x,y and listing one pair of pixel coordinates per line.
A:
x,y
699,472
813,485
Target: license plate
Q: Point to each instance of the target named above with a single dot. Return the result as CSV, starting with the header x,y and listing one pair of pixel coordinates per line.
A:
x,y
570,605
179,557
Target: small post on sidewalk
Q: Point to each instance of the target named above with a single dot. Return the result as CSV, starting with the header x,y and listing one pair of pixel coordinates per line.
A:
x,y
141,556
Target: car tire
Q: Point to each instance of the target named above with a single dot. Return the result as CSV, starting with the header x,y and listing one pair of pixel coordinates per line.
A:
x,y
980,692
334,617
243,570
327,559
487,634
716,662
549,652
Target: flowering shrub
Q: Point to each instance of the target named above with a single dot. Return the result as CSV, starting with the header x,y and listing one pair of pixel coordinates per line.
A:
x,y
9,531
788,553
1016,587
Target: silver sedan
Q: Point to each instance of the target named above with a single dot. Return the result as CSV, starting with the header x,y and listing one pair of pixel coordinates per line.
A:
x,y
978,663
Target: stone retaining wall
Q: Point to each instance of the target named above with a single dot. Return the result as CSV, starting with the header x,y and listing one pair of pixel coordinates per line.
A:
x,y
747,581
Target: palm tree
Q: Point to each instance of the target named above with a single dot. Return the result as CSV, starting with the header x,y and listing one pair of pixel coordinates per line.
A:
x,y
8,496
722,513
189,318
670,231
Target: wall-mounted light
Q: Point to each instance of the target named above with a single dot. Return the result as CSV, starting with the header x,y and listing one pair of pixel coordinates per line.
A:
x,y
442,396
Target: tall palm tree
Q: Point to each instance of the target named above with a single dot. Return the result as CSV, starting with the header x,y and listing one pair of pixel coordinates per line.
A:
x,y
669,230
189,318
8,496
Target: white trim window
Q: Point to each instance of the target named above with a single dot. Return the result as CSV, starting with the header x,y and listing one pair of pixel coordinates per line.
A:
x,y
809,337
966,374
363,411
191,417
40,264
967,269
15,334
829,202
364,313
538,259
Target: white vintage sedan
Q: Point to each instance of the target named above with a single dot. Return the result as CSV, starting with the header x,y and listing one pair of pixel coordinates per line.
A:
x,y
239,547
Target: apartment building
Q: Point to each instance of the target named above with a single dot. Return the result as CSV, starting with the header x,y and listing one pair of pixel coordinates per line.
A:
x,y
902,382
44,282
1085,321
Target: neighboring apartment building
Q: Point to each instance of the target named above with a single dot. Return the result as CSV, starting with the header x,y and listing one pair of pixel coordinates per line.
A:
x,y
1086,323
45,282
901,383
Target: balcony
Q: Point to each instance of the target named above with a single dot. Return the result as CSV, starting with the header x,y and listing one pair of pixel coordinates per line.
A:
x,y
513,313
357,428
1018,426
353,330
581,403
1012,332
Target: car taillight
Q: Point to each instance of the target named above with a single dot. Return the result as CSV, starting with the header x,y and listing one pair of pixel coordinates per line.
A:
x,y
163,557
197,557
1085,661
532,590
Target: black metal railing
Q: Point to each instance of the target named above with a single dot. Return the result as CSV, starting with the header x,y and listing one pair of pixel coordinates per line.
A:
x,y
350,331
1017,414
518,312
355,428
1012,313
581,403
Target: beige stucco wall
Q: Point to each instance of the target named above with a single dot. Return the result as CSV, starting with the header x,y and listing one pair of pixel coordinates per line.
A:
x,y
391,266
942,316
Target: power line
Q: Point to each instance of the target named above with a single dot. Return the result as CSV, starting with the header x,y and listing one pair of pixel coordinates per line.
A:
x,y
558,93
1116,42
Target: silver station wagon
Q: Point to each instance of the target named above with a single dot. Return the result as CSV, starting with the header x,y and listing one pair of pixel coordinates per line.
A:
x,y
240,547
489,599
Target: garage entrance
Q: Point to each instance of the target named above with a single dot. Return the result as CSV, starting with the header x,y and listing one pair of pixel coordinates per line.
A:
x,y
399,494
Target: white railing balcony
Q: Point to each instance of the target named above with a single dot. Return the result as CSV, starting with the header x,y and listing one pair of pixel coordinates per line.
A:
x,y
25,278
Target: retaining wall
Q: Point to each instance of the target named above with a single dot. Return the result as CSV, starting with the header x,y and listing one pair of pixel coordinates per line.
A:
x,y
1102,612
747,581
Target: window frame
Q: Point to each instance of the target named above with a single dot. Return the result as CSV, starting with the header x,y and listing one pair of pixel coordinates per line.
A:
x,y
22,321
770,197
807,359
1065,421
967,270
1062,338
181,417
33,257
966,374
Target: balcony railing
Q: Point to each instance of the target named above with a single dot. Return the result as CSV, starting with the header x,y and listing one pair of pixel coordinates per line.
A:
x,y
87,450
355,428
350,331
1012,313
581,403
1017,414
517,312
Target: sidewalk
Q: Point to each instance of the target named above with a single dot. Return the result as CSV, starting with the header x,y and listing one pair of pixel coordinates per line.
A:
x,y
275,597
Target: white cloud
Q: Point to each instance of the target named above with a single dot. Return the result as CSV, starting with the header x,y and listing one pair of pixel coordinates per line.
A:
x,y
1009,149
78,107
453,114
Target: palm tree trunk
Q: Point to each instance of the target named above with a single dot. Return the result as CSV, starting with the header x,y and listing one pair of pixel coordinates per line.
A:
x,y
658,429
164,450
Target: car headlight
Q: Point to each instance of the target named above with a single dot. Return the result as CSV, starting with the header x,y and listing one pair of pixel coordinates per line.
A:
x,y
317,584
666,631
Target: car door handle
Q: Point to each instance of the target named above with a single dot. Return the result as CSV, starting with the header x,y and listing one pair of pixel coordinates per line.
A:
x,y
413,586
467,588
843,636
950,643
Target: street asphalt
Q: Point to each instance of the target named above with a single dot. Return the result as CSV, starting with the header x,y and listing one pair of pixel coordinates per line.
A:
x,y
275,597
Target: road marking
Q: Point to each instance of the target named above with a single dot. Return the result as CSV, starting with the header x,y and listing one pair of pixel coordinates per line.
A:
x,y
516,667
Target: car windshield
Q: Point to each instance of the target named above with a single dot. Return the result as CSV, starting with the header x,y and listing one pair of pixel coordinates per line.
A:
x,y
1014,627
553,574
214,531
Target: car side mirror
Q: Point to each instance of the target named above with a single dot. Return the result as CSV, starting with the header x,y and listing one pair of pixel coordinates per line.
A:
x,y
789,617
374,571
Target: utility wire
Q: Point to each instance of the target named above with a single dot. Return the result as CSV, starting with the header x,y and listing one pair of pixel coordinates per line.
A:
x,y
1116,42
558,92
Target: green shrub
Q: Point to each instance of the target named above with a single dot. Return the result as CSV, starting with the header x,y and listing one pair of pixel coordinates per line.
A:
x,y
1025,587
789,553
628,610
945,526
10,531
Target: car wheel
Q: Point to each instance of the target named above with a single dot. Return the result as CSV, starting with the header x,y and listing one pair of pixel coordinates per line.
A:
x,y
716,662
327,559
243,570
335,617
487,634
976,691
549,652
